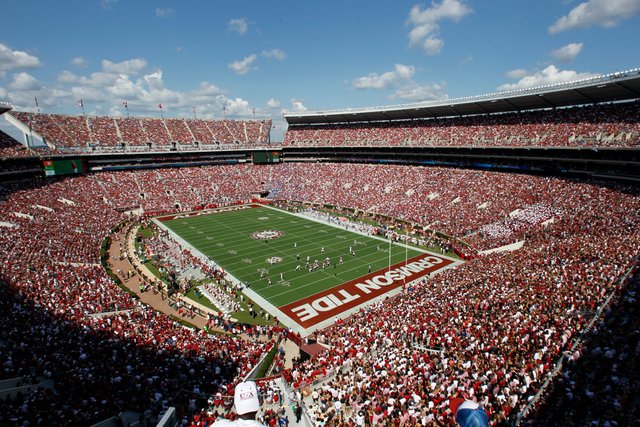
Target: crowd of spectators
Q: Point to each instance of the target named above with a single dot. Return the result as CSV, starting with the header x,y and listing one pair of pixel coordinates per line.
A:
x,y
103,131
610,125
600,381
490,330
614,125
487,209
179,131
9,147
82,131
55,296
173,189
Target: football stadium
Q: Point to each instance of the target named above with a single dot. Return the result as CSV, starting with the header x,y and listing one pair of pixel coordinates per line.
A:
x,y
433,263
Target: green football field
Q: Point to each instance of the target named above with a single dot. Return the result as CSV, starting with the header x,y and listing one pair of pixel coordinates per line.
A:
x,y
226,238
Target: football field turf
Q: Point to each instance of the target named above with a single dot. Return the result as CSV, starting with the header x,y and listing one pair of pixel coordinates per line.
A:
x,y
244,241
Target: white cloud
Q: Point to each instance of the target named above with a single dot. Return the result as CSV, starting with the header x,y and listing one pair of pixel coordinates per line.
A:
x,y
114,111
432,45
516,74
123,88
207,98
243,66
274,54
79,62
131,66
3,93
67,77
567,53
154,80
296,107
425,23
115,85
164,12
381,81
237,107
401,79
87,94
548,76
208,89
100,79
238,25
416,92
16,59
218,105
591,13
24,82
272,103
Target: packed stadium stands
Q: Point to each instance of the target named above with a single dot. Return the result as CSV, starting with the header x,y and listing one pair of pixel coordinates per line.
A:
x,y
491,329
9,147
613,125
50,239
108,132
485,214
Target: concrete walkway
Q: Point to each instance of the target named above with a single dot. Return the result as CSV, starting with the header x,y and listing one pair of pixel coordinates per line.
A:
x,y
121,265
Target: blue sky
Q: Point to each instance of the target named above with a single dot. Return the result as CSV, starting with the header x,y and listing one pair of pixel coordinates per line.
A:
x,y
266,58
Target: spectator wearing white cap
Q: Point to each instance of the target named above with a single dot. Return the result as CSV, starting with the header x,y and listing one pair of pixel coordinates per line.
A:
x,y
247,403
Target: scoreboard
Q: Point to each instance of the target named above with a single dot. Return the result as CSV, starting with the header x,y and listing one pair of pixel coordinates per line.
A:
x,y
266,156
63,167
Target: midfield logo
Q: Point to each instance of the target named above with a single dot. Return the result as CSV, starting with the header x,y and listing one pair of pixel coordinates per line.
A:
x,y
267,234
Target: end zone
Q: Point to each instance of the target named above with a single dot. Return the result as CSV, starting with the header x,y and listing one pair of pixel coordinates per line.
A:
x,y
314,311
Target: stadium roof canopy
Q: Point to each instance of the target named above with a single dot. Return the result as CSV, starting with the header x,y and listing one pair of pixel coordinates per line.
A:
x,y
4,107
614,87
